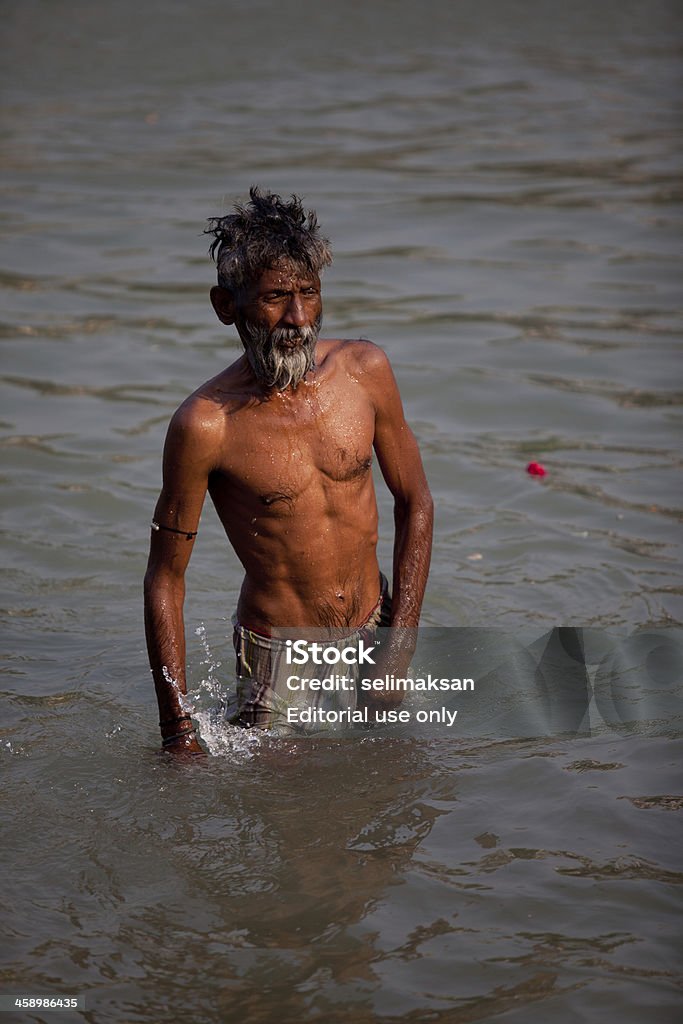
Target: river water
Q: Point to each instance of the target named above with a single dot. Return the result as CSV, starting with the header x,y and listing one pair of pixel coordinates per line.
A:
x,y
501,185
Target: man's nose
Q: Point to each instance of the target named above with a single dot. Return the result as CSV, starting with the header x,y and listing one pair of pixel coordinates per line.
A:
x,y
295,314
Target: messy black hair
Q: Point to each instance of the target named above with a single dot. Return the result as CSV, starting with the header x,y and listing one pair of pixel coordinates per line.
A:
x,y
260,234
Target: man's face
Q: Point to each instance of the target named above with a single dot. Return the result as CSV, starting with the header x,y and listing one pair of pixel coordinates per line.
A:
x,y
279,322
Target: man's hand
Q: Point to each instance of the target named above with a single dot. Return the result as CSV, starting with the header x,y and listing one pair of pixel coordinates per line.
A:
x,y
392,658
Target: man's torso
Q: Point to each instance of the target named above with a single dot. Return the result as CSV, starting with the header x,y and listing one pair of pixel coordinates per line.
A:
x,y
293,488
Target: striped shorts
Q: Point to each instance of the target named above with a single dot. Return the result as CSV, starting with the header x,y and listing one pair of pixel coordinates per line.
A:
x,y
263,695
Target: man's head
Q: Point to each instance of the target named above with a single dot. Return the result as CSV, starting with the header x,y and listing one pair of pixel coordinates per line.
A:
x,y
269,255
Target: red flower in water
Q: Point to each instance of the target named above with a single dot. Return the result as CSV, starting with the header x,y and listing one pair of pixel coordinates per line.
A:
x,y
535,469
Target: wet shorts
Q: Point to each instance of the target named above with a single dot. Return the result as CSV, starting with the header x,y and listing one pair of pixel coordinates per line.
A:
x,y
268,684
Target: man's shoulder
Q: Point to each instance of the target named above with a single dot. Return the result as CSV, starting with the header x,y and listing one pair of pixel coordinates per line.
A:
x,y
360,354
368,366
199,418
205,409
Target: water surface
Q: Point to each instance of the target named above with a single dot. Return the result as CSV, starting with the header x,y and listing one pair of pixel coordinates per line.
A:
x,y
501,184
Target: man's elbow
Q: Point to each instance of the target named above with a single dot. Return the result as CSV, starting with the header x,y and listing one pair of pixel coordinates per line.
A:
x,y
149,584
427,504
418,505
430,507
159,584
424,517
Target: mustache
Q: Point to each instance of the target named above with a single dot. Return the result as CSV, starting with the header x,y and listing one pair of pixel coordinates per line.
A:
x,y
284,335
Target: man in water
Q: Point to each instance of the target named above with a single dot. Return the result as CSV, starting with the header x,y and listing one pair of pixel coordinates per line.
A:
x,y
282,441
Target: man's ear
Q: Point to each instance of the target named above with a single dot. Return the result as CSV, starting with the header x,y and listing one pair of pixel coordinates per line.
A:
x,y
223,302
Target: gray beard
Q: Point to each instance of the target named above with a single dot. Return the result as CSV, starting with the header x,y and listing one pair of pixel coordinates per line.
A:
x,y
276,367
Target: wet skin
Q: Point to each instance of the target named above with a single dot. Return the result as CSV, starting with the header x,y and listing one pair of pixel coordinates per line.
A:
x,y
289,474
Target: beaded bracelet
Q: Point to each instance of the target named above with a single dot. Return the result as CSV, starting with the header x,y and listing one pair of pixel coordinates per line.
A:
x,y
188,534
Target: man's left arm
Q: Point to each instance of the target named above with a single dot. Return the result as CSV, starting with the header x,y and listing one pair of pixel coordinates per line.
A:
x,y
401,465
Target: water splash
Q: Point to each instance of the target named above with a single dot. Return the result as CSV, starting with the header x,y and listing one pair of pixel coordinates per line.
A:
x,y
210,702
224,740
184,702
211,685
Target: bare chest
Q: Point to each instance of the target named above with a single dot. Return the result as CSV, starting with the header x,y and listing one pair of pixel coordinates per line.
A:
x,y
285,448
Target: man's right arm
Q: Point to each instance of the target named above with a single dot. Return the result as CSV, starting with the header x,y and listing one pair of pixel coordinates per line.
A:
x,y
188,458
